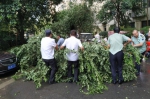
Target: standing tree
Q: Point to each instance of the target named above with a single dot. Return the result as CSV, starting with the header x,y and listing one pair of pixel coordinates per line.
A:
x,y
78,17
119,10
27,14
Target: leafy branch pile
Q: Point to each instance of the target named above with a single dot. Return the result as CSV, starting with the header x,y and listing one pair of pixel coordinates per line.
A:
x,y
94,65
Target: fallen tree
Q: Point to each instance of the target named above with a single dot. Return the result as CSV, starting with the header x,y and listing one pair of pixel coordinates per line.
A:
x,y
94,65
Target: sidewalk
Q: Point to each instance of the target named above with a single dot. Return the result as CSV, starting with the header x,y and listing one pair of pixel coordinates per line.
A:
x,y
137,89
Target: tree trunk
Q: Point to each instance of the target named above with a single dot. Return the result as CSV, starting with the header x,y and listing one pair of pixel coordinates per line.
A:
x,y
21,16
118,14
22,41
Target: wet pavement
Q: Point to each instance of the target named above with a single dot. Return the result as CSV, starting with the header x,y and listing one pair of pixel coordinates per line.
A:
x,y
6,77
137,89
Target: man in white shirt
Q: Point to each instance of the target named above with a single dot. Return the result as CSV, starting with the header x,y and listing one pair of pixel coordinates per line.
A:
x,y
72,43
97,37
47,50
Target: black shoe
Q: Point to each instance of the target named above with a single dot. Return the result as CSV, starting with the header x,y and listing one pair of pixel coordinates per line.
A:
x,y
52,82
137,74
70,81
76,81
114,82
120,81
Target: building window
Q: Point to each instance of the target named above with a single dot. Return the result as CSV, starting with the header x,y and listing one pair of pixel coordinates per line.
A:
x,y
132,24
144,23
145,3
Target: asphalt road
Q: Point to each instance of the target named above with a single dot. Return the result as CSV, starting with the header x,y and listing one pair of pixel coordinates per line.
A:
x,y
137,89
6,77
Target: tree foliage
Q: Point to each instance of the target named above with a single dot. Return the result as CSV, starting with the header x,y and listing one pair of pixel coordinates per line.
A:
x,y
74,18
27,14
121,10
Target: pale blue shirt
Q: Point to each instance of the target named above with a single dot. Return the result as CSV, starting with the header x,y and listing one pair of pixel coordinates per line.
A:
x,y
116,42
60,42
138,40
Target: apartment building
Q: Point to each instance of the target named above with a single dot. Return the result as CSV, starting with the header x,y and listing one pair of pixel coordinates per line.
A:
x,y
144,21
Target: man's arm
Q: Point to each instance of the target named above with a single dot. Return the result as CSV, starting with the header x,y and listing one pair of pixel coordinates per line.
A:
x,y
63,45
138,45
58,43
108,46
128,41
80,45
82,48
56,47
54,44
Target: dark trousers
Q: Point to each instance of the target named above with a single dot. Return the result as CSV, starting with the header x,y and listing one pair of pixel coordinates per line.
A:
x,y
76,69
116,62
51,63
138,66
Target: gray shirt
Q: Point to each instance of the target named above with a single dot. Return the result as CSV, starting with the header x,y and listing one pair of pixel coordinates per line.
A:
x,y
60,42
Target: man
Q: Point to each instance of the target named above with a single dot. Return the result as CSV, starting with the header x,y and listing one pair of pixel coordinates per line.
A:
x,y
47,50
148,35
115,43
138,41
97,37
60,41
72,43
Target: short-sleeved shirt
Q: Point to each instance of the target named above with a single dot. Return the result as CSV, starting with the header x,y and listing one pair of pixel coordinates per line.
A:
x,y
72,43
47,48
138,40
116,42
60,42
97,36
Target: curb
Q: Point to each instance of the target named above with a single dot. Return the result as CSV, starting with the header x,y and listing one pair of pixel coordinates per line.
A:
x,y
4,84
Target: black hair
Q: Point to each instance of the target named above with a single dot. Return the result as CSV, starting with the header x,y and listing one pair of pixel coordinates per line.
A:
x,y
48,34
59,35
73,32
116,29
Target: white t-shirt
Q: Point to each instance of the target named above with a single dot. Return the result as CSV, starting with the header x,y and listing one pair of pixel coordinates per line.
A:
x,y
97,36
47,48
72,43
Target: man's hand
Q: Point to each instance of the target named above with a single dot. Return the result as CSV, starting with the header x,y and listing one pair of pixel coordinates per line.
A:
x,y
138,45
56,47
82,49
62,47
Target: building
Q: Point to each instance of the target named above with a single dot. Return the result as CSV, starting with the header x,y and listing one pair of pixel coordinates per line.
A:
x,y
136,22
145,21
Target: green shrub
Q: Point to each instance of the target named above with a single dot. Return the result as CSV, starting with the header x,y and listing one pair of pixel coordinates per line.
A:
x,y
145,29
104,34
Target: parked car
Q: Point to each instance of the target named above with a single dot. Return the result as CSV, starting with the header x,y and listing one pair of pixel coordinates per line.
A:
x,y
8,62
86,37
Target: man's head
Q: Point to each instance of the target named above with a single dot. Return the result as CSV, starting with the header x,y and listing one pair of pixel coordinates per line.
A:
x,y
142,32
48,33
116,30
58,37
135,33
73,33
